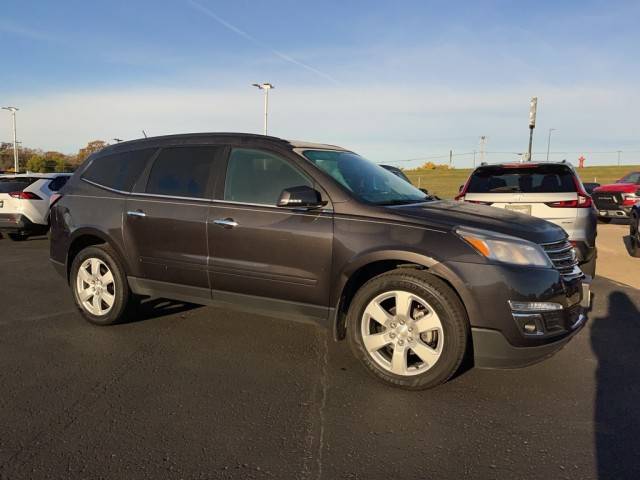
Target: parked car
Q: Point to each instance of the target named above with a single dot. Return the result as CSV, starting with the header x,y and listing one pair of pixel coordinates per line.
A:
x,y
546,190
24,202
634,230
316,232
615,200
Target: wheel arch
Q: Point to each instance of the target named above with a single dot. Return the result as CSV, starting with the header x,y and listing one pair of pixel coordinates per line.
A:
x,y
364,268
87,237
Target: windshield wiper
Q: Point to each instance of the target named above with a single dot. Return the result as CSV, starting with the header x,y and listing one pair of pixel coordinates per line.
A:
x,y
403,201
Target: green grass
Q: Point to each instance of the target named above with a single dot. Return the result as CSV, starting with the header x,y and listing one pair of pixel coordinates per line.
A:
x,y
445,183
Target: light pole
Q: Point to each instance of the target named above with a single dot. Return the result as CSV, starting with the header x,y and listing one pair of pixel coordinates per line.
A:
x,y
13,111
549,142
266,87
533,106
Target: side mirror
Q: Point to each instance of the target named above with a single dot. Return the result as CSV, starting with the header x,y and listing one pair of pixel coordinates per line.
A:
x,y
460,188
590,187
302,196
424,190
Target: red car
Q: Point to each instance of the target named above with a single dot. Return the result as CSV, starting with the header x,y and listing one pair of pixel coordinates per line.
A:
x,y
617,199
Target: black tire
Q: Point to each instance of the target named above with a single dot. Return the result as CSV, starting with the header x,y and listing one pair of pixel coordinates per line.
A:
x,y
634,232
124,299
589,268
18,237
441,298
604,219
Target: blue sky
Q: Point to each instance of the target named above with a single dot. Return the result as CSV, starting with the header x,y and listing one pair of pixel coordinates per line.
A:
x,y
392,80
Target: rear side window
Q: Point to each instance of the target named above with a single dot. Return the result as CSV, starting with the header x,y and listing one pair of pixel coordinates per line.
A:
x,y
534,179
182,172
118,171
8,185
254,176
58,182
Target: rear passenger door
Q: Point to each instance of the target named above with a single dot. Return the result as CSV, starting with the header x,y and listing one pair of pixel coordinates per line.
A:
x,y
273,258
166,220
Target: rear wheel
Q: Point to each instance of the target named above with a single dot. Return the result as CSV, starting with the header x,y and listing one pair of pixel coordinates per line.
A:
x,y
634,232
408,328
18,237
99,285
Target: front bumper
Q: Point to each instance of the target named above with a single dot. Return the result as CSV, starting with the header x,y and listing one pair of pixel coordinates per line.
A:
x,y
500,337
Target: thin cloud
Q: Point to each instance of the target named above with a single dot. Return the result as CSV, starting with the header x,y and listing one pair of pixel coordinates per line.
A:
x,y
15,29
260,44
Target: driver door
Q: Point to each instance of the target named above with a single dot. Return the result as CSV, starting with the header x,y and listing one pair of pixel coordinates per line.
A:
x,y
272,257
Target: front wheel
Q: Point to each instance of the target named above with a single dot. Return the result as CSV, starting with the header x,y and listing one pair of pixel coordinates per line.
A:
x,y
99,285
408,328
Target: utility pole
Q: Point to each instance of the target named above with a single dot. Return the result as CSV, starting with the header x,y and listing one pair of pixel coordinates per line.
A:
x,y
483,142
16,166
549,142
619,152
474,159
533,106
450,158
266,87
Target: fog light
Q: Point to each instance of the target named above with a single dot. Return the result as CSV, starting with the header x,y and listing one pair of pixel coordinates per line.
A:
x,y
530,328
529,323
534,306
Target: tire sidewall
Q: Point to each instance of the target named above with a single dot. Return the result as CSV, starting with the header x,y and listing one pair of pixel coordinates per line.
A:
x,y
121,287
452,317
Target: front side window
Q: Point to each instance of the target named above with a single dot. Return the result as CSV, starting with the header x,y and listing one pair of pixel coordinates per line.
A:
x,y
522,179
181,172
365,179
255,176
118,171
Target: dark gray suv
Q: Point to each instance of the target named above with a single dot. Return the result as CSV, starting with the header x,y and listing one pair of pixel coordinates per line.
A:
x,y
316,232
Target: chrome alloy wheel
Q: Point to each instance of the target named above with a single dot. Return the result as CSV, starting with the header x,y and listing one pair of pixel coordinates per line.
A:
x,y
95,287
402,333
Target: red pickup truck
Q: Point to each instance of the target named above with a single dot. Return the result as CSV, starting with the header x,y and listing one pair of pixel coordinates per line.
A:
x,y
617,199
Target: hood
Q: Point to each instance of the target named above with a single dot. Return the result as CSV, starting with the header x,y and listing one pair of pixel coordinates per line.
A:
x,y
618,187
451,214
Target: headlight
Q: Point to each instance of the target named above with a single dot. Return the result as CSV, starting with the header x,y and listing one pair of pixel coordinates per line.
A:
x,y
504,248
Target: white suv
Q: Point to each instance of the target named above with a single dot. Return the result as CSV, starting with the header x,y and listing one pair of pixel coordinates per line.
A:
x,y
24,202
551,191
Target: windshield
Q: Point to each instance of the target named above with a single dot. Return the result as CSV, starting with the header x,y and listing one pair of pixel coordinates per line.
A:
x,y
533,179
367,181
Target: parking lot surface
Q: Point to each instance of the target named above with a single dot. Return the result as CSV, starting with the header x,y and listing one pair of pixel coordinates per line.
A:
x,y
199,392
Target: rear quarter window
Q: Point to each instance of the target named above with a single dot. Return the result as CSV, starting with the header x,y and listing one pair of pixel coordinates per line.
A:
x,y
58,182
119,170
534,179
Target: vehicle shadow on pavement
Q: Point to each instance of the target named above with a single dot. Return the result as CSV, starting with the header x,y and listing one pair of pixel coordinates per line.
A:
x,y
615,339
151,308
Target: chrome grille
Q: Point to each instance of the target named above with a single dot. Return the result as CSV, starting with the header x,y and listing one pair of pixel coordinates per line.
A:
x,y
563,257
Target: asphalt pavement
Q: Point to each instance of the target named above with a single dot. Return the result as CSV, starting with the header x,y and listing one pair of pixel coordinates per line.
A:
x,y
205,393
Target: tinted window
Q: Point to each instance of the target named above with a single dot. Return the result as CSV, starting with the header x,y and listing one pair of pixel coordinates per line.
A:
x,y
533,179
181,172
119,171
631,178
58,182
8,185
254,176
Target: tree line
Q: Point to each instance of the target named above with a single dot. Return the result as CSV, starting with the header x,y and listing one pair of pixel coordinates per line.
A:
x,y
40,161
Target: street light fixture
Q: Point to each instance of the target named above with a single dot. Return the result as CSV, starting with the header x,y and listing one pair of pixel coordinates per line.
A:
x,y
533,107
549,142
266,87
13,111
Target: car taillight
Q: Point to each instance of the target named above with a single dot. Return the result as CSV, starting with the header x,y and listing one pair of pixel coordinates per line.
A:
x,y
54,198
582,202
25,195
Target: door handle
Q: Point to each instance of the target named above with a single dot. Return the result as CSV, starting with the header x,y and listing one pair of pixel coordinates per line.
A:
x,y
226,222
136,213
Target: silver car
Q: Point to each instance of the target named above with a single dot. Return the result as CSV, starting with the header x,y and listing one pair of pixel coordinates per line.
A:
x,y
552,191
